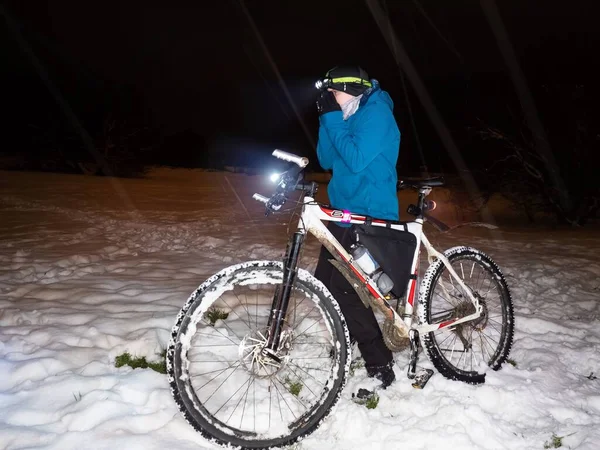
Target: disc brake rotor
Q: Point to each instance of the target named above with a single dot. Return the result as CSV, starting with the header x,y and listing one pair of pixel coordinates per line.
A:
x,y
258,359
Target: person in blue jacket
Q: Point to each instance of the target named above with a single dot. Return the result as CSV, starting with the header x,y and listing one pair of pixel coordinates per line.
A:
x,y
359,141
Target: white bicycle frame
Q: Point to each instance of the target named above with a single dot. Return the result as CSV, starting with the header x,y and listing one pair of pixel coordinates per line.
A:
x,y
311,221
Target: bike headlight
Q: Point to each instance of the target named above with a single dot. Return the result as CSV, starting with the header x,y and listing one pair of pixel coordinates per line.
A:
x,y
275,177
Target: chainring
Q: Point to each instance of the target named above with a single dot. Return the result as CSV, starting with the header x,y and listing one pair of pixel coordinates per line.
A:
x,y
392,339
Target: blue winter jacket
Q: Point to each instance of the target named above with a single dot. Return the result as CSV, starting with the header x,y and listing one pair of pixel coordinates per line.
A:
x,y
362,151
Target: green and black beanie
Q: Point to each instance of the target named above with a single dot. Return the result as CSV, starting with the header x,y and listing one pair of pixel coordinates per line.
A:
x,y
353,80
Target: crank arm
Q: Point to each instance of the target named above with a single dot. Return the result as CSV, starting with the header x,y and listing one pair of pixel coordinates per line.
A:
x,y
413,337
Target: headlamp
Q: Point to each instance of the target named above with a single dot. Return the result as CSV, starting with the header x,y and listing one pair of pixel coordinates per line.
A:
x,y
323,84
341,82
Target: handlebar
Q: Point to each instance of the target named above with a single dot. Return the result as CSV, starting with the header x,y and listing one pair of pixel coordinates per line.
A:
x,y
290,157
291,180
261,198
287,182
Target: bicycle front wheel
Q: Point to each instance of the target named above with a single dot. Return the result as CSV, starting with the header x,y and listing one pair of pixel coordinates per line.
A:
x,y
232,392
465,351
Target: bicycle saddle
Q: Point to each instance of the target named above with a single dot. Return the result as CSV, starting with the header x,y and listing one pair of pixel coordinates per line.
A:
x,y
419,182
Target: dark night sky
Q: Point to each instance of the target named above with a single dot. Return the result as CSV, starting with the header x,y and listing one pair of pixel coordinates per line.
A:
x,y
199,64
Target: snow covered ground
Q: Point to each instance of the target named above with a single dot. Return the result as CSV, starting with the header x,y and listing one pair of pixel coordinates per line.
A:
x,y
93,267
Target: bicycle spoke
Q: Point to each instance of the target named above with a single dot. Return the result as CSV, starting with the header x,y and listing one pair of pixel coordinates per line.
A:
x,y
458,299
222,383
216,376
270,403
210,361
479,280
216,345
295,313
448,335
301,334
486,340
231,396
212,371
454,348
243,305
318,369
219,331
295,397
281,396
307,387
246,401
472,352
301,301
311,357
296,365
489,289
493,323
284,398
235,312
311,333
308,315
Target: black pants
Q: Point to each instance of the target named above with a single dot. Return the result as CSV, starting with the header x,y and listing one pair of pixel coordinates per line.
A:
x,y
361,321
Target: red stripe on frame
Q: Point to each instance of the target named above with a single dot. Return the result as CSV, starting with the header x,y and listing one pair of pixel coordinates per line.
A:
x,y
411,295
357,217
446,323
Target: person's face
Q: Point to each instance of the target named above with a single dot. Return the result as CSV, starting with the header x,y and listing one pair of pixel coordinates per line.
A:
x,y
340,97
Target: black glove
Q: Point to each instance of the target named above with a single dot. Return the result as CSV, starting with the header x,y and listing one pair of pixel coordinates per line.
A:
x,y
326,103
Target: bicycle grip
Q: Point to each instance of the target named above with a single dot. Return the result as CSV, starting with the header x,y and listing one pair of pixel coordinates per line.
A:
x,y
286,156
260,198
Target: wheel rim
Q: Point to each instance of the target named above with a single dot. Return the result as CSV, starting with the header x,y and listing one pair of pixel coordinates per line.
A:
x,y
472,346
243,390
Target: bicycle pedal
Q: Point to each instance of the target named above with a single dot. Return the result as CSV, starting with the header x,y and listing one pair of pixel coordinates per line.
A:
x,y
421,378
365,396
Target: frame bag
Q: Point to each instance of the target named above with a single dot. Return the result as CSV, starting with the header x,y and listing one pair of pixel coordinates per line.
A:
x,y
392,249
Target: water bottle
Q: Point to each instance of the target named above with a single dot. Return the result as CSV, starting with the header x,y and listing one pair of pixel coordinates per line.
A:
x,y
367,263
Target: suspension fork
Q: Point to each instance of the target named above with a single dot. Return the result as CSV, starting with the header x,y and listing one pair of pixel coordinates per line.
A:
x,y
281,299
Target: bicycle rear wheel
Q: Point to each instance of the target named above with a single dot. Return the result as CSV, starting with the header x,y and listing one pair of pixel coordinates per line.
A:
x,y
226,388
466,351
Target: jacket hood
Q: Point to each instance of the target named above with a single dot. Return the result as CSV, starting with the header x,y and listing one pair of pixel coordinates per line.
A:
x,y
375,94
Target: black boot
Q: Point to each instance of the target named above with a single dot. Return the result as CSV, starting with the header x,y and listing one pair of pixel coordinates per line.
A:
x,y
384,373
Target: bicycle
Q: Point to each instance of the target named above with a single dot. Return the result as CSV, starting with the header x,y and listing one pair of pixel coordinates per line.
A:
x,y
264,341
